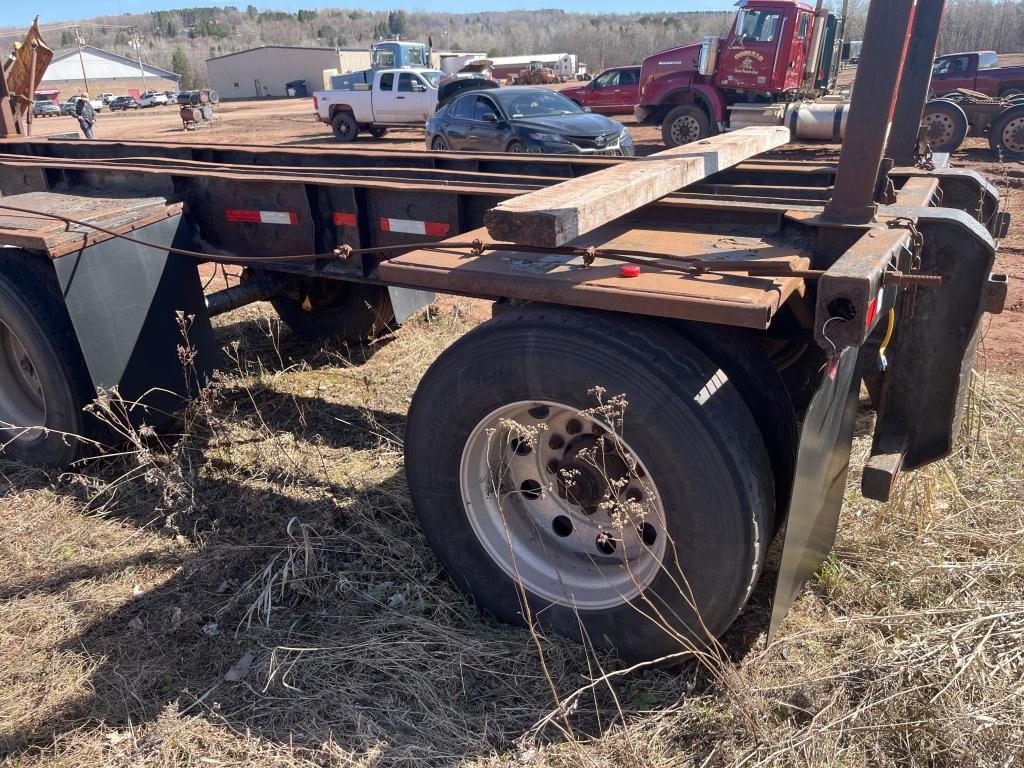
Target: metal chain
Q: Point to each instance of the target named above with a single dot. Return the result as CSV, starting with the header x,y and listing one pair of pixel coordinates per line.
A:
x,y
916,249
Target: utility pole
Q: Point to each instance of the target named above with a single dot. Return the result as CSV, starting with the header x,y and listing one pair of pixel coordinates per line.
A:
x,y
137,39
81,60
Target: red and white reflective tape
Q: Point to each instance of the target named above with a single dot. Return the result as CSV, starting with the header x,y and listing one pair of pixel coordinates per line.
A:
x,y
411,227
874,308
342,219
261,217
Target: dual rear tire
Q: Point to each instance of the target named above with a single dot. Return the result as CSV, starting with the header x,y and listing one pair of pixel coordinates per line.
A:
x,y
641,528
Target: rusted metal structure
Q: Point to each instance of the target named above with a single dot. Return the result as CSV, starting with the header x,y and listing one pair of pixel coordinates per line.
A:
x,y
738,315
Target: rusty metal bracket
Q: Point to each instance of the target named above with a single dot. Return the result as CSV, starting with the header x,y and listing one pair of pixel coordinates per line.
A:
x,y
851,293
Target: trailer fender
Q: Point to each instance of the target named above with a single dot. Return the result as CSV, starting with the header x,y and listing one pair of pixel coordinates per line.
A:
x,y
932,350
132,309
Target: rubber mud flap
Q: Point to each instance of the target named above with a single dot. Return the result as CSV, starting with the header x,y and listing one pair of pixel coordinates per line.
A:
x,y
823,460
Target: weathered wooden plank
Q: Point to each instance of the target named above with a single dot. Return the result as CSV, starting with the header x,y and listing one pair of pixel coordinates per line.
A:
x,y
560,213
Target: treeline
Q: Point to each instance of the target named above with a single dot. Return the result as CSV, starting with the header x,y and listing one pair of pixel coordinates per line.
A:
x,y
600,40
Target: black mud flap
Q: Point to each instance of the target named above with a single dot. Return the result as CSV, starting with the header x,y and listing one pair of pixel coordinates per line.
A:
x,y
823,460
124,300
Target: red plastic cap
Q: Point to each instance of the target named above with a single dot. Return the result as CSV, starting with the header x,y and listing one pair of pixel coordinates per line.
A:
x,y
629,270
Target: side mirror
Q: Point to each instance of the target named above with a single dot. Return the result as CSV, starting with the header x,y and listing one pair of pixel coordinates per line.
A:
x,y
588,110
489,117
418,88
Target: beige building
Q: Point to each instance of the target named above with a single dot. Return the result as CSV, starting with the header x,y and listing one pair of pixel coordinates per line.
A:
x,y
106,72
265,71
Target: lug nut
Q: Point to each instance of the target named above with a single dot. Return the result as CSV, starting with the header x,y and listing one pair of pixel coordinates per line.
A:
x,y
573,427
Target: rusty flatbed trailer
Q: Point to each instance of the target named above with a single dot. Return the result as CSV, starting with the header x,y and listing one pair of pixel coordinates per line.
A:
x,y
737,315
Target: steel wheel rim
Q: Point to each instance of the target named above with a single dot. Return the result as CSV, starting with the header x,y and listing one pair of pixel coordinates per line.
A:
x,y
940,128
1013,134
685,129
517,149
22,401
556,549
439,145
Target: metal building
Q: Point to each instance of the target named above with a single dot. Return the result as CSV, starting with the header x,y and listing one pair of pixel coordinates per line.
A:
x,y
106,72
266,71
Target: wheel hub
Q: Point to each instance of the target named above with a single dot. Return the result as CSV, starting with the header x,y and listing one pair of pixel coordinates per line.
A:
x,y
22,404
562,505
588,472
685,129
1013,135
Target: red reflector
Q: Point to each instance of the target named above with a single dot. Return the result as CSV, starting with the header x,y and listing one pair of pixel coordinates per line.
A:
x,y
629,270
233,214
436,229
344,219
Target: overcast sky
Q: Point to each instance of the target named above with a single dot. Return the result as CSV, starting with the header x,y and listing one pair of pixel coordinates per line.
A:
x,y
13,13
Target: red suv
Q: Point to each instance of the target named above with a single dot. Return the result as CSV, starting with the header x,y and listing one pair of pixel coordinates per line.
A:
x,y
614,92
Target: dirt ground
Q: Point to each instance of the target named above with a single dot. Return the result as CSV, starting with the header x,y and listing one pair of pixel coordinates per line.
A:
x,y
291,123
252,588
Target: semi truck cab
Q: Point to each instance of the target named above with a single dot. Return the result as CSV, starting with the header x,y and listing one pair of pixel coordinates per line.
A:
x,y
775,50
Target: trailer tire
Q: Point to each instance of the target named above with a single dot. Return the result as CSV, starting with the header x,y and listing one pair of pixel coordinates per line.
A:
x,y
688,430
344,126
43,377
947,125
334,309
684,124
1007,133
378,132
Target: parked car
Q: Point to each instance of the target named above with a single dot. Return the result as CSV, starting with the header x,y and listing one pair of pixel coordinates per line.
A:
x,y
976,71
153,99
524,119
107,97
68,107
396,98
124,103
46,108
613,92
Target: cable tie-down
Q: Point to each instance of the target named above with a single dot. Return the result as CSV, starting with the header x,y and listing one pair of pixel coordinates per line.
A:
x,y
588,254
343,252
478,247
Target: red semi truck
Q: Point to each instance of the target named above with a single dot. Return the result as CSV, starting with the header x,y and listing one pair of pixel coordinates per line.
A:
x,y
777,52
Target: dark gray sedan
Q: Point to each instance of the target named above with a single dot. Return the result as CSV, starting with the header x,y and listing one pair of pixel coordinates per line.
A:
x,y
524,119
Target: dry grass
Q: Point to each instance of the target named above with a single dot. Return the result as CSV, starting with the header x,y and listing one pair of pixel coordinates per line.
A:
x,y
282,528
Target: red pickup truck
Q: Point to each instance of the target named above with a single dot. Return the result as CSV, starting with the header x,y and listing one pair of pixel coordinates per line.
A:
x,y
613,92
976,71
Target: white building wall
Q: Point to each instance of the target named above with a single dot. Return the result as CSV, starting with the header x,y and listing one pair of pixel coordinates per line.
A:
x,y
265,71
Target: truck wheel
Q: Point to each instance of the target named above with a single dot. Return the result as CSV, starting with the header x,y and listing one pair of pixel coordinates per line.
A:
x,y
1007,133
642,540
439,144
516,147
344,126
378,132
44,382
336,309
947,125
684,124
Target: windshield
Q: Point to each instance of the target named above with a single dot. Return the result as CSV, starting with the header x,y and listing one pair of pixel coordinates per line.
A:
x,y
536,104
757,26
416,56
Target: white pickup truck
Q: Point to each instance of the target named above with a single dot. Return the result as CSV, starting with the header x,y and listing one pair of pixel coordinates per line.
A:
x,y
397,98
